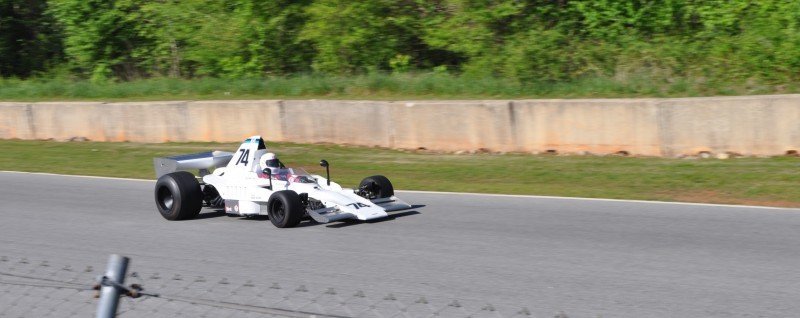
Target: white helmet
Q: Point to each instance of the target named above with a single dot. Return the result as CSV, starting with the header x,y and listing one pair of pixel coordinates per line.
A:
x,y
269,160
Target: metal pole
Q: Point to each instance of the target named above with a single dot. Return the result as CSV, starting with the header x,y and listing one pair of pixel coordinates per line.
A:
x,y
109,294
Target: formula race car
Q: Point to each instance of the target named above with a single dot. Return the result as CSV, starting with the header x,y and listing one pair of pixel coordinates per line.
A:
x,y
253,181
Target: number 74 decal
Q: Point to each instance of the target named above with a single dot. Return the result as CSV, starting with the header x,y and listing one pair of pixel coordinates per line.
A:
x,y
243,157
358,205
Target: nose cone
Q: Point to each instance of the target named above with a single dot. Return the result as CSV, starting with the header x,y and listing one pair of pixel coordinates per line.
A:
x,y
349,202
373,212
363,211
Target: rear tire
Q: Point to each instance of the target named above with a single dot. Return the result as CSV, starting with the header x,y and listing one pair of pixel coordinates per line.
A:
x,y
285,209
178,196
376,187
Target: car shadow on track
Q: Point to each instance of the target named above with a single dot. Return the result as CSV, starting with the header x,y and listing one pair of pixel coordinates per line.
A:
x,y
209,215
305,223
221,213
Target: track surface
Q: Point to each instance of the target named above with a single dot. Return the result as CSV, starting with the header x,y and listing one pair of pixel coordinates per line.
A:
x,y
587,258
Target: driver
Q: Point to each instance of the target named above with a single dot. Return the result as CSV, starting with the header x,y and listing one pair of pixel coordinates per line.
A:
x,y
270,160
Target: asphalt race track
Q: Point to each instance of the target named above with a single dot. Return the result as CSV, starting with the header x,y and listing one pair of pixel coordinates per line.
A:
x,y
587,258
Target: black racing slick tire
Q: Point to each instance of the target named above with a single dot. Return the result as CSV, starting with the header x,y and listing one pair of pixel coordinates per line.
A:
x,y
376,187
285,209
178,196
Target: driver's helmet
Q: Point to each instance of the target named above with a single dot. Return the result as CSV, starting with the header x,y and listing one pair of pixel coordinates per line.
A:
x,y
269,160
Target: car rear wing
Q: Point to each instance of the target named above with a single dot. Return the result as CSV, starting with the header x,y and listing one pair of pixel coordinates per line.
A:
x,y
197,161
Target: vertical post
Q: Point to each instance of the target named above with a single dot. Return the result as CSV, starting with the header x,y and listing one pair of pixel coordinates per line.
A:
x,y
109,295
325,164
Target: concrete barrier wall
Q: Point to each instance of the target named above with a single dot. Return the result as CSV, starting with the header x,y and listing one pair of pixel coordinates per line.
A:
x,y
752,125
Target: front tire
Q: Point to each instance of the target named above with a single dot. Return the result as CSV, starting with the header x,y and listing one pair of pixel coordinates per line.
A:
x,y
376,187
178,196
285,209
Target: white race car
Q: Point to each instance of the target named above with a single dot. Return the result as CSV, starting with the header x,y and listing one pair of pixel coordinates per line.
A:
x,y
252,181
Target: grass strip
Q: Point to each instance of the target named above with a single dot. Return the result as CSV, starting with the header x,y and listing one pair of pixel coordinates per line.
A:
x,y
752,181
378,86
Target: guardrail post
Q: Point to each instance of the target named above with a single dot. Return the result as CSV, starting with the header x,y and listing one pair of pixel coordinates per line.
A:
x,y
109,293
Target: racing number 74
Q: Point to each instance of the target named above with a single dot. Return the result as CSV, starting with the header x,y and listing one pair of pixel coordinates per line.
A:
x,y
243,157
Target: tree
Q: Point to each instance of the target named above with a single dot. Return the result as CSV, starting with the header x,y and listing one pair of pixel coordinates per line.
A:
x,y
357,36
105,38
29,40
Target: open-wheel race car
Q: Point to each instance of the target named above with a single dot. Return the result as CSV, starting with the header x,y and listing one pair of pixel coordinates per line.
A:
x,y
253,181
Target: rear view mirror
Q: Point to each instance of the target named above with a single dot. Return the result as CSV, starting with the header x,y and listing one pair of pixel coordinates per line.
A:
x,y
325,164
268,172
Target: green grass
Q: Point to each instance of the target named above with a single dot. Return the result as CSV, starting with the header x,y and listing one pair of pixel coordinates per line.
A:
x,y
758,181
372,86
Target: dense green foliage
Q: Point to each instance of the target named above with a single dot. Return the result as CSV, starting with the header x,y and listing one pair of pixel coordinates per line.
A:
x,y
528,41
